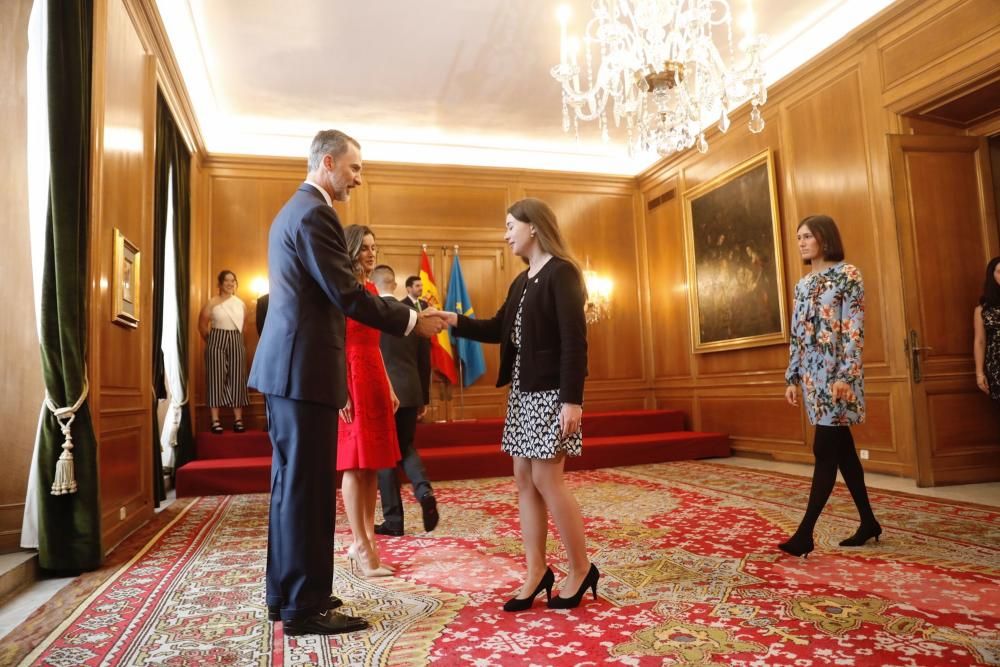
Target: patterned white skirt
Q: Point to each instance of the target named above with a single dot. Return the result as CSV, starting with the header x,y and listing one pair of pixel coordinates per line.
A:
x,y
531,429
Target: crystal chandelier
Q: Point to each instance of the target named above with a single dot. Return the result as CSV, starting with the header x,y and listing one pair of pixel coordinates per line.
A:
x,y
660,72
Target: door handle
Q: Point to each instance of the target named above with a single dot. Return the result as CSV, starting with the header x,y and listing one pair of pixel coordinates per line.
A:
x,y
912,344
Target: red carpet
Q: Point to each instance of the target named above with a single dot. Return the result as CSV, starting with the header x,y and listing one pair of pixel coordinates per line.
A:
x,y
691,576
233,463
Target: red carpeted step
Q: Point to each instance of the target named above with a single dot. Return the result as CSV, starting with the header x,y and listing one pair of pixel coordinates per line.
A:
x,y
473,461
229,445
631,422
240,462
599,424
221,477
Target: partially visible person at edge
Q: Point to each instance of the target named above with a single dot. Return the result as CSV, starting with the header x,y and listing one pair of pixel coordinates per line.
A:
x,y
299,366
986,323
542,334
827,337
367,441
221,326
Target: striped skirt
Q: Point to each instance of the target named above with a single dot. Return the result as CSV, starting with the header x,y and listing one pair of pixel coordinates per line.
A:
x,y
226,369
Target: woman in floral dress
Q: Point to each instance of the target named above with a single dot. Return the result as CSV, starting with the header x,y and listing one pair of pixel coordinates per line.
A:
x,y
986,320
825,360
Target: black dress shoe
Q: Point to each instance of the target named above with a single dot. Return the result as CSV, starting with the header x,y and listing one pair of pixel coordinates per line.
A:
x,y
324,623
274,612
385,529
429,506
798,546
863,534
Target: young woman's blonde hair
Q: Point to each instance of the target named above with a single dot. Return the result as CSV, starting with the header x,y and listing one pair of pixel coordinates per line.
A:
x,y
540,215
355,236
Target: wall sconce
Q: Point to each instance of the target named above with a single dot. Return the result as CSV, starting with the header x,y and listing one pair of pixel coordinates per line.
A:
x,y
599,288
259,286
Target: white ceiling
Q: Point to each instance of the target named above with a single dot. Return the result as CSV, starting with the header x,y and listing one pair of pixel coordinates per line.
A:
x,y
428,81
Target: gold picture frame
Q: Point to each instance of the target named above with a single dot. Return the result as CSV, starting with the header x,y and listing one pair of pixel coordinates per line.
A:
x,y
736,276
126,282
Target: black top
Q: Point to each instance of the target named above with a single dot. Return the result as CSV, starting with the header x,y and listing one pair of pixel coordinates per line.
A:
x,y
553,331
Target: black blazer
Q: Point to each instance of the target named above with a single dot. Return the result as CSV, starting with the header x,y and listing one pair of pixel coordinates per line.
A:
x,y
553,331
301,350
423,353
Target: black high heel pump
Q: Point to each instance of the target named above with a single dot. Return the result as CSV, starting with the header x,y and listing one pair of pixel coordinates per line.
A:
x,y
520,604
798,546
863,534
589,581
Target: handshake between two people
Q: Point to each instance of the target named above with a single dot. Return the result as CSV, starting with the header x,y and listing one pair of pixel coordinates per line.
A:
x,y
431,321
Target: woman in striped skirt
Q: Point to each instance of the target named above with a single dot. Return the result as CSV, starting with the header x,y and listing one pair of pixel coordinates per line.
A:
x,y
221,325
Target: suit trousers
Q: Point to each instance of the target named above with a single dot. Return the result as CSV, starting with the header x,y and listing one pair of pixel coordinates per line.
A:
x,y
388,481
301,520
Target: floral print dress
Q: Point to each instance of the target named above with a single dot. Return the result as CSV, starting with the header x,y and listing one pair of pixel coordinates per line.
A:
x,y
991,367
827,339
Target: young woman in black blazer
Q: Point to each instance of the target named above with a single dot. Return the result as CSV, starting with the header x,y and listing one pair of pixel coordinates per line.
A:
x,y
543,356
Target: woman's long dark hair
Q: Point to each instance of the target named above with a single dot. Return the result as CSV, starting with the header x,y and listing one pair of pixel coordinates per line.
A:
x,y
991,290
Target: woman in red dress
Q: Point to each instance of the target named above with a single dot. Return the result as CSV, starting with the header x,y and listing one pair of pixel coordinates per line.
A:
x,y
367,440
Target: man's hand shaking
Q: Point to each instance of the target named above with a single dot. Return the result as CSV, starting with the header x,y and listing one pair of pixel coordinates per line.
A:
x,y
430,322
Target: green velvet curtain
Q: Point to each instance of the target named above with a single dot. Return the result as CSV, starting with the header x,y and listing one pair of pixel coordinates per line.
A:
x,y
171,153
68,525
161,175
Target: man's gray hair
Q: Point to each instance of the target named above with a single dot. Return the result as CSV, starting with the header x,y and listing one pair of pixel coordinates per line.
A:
x,y
328,142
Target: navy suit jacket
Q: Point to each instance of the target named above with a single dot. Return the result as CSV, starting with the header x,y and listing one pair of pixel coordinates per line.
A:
x,y
301,350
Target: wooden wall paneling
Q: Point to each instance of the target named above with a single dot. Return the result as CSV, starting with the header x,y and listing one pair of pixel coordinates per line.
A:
x,y
761,422
22,391
937,46
429,205
124,121
667,289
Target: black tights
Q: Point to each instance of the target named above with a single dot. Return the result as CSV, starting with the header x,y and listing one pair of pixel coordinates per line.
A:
x,y
834,448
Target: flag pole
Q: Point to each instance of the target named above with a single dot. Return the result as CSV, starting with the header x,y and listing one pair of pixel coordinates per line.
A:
x,y
461,378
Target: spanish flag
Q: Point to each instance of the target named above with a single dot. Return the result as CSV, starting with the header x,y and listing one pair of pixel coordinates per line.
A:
x,y
442,358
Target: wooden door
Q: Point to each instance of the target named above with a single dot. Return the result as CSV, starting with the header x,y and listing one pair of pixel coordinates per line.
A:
x,y
947,228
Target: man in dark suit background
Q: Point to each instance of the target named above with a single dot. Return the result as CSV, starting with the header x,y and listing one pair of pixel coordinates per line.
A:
x,y
299,366
414,290
402,363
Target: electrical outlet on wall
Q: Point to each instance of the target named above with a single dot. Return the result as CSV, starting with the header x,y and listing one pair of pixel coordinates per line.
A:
x,y
122,512
863,454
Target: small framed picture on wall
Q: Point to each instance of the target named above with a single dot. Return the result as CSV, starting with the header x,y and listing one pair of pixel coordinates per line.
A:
x,y
125,284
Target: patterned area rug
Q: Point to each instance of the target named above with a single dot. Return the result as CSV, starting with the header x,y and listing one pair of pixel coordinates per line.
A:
x,y
691,576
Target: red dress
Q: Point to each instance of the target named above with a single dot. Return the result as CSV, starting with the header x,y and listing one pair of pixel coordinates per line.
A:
x,y
370,440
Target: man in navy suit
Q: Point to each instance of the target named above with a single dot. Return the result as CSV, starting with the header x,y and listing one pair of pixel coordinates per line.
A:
x,y
299,366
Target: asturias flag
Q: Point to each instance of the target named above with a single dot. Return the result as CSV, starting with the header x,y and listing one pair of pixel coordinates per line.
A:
x,y
470,353
442,358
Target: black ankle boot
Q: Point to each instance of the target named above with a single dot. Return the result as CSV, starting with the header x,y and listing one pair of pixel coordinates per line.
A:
x,y
520,604
798,546
589,581
864,533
